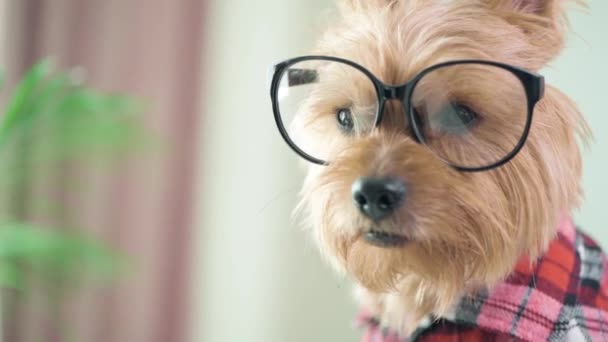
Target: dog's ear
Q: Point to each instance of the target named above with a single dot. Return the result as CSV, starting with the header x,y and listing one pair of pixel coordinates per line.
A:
x,y
543,21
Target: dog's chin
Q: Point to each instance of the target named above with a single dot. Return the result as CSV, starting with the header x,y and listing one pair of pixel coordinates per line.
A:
x,y
384,239
378,257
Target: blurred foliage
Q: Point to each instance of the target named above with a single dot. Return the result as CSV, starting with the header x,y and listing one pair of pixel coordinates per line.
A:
x,y
50,255
51,118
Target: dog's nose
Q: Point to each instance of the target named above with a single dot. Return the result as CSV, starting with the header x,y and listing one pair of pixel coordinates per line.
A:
x,y
377,198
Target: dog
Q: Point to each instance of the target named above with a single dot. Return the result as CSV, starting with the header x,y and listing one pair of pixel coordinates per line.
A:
x,y
442,171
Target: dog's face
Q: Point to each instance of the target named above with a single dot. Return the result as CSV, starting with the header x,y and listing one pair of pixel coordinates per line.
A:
x,y
388,210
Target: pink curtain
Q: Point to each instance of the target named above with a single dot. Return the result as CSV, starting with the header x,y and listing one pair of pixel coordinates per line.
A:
x,y
150,49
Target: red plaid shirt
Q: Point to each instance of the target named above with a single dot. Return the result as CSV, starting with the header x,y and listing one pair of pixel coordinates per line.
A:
x,y
561,297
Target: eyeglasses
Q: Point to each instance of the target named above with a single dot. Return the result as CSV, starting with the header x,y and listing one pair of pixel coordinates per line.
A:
x,y
475,115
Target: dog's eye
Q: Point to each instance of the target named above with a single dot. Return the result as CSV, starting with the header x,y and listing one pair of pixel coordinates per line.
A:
x,y
345,119
455,118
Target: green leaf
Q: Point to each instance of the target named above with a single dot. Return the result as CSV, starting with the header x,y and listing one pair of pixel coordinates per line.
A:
x,y
21,96
10,276
52,119
54,254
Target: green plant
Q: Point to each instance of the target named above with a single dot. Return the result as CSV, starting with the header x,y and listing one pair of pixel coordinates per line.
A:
x,y
49,120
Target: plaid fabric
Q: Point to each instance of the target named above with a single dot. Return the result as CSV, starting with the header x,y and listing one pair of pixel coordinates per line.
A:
x,y
561,297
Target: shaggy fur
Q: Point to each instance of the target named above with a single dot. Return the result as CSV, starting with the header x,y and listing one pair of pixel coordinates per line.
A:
x,y
465,230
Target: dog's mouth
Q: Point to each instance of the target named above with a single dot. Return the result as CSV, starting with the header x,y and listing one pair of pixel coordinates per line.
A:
x,y
384,239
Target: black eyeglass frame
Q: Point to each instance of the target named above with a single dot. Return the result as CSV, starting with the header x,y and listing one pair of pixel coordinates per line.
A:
x,y
534,86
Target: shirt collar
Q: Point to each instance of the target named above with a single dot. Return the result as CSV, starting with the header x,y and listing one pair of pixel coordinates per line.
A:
x,y
538,301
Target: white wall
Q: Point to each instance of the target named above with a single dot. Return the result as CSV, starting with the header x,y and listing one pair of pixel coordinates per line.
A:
x,y
258,277
582,73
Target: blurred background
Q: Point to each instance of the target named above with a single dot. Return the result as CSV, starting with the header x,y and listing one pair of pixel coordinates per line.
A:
x,y
187,236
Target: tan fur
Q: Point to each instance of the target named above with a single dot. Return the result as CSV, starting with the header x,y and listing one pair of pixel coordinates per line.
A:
x,y
467,230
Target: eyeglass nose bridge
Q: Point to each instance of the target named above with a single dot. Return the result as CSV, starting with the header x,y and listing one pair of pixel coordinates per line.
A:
x,y
394,92
388,92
